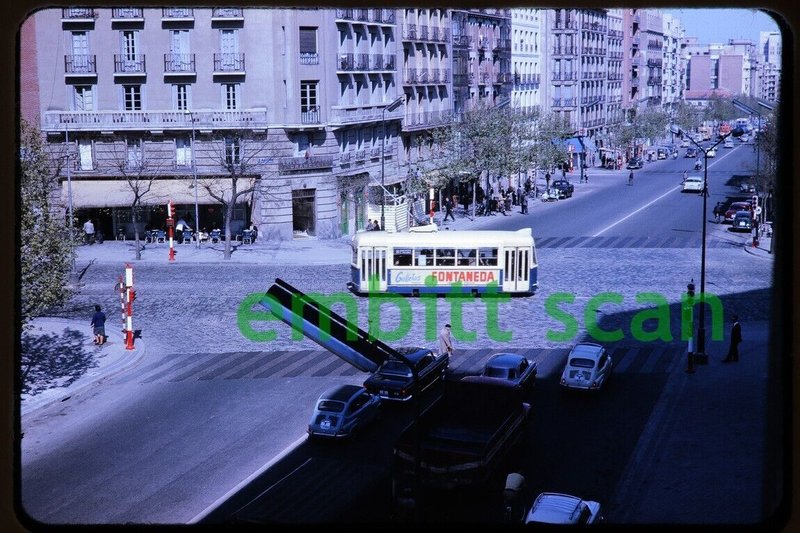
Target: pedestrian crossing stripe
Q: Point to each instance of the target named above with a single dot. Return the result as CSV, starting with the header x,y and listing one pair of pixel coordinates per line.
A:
x,y
670,241
638,359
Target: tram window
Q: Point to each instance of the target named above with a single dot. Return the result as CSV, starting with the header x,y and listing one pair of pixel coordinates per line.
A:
x,y
445,257
466,258
423,257
488,256
402,257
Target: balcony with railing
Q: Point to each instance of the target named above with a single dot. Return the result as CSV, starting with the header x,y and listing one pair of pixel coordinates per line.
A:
x,y
383,16
361,61
565,76
654,63
343,115
502,77
80,65
229,63
127,14
312,162
484,77
423,32
502,44
129,64
416,120
177,13
78,14
309,115
219,14
179,64
460,79
362,15
570,25
654,80
309,58
55,121
347,14
567,50
462,41
410,32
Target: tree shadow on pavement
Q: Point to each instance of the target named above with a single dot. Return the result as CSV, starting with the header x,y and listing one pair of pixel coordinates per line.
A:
x,y
50,360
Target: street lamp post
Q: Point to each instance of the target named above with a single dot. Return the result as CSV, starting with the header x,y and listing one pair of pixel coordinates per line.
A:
x,y
194,181
700,355
391,107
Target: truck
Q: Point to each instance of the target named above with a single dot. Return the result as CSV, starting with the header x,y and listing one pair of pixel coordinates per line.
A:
x,y
466,438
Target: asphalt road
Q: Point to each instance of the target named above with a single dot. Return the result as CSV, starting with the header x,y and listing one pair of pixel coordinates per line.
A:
x,y
197,421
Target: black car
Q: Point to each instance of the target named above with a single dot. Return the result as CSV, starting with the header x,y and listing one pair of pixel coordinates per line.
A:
x,y
635,163
394,380
691,152
563,188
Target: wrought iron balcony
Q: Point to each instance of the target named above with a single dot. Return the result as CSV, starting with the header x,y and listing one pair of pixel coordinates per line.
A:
x,y
346,62
565,76
177,12
309,58
362,62
410,31
127,13
564,50
345,14
571,25
423,32
179,64
227,13
362,15
76,14
132,64
462,41
82,64
229,62
312,162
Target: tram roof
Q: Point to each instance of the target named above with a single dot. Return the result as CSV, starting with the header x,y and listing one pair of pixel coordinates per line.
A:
x,y
466,239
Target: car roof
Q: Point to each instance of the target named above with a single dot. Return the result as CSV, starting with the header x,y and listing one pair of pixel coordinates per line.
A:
x,y
741,203
694,178
413,353
584,349
742,214
505,360
554,508
341,393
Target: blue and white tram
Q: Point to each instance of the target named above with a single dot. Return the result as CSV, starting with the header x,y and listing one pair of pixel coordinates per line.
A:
x,y
444,262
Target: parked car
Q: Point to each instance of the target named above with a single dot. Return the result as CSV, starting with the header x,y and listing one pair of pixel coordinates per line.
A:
x,y
693,184
635,163
588,367
685,143
342,410
394,380
744,138
747,187
728,143
511,368
742,221
691,152
563,188
735,207
662,153
556,508
711,152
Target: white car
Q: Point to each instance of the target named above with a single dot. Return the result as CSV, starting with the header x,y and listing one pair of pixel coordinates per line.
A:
x,y
556,508
728,143
685,143
588,367
712,153
693,184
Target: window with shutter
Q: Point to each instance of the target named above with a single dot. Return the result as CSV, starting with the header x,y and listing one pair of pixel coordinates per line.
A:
x,y
308,40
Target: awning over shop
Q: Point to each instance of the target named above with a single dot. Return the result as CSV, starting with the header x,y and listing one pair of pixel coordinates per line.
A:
x,y
575,144
118,193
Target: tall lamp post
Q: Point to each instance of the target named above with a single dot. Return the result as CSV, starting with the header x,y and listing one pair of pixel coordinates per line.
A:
x,y
391,107
194,181
700,356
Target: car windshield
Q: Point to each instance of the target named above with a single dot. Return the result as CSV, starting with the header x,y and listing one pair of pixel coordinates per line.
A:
x,y
581,362
395,368
330,406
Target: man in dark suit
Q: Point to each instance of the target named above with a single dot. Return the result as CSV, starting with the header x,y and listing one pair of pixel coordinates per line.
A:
x,y
736,338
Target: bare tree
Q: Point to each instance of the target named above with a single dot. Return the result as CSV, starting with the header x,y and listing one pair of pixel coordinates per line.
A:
x,y
138,173
240,154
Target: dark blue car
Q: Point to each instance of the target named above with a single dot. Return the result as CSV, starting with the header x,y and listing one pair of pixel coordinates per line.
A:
x,y
343,410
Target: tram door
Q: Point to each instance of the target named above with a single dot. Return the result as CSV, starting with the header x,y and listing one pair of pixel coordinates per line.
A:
x,y
516,272
373,267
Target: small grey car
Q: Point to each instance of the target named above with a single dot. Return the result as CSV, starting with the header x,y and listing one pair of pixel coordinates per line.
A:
x,y
343,410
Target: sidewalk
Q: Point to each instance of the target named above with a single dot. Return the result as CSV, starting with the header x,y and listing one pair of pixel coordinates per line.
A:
x,y
111,358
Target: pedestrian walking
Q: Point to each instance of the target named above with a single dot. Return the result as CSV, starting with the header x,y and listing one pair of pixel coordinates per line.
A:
x,y
630,178
448,209
547,181
736,338
98,325
717,211
88,232
523,201
446,341
179,228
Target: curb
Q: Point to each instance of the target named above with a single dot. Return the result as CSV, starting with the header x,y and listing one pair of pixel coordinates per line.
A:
x,y
123,361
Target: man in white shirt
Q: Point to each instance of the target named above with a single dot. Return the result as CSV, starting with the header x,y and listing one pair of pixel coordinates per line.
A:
x,y
88,232
446,341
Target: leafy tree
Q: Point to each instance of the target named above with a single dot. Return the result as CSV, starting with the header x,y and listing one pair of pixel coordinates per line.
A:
x,y
548,149
46,250
719,109
686,116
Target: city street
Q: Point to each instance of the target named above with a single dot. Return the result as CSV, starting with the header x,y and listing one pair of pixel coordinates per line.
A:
x,y
186,434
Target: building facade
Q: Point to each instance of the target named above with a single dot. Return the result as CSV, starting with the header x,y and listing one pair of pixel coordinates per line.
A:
x,y
527,58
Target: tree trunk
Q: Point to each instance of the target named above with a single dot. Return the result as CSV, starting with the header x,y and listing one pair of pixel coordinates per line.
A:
x,y
136,235
228,216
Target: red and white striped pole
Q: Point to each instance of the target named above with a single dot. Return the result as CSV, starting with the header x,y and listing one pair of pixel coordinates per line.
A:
x,y
170,225
130,296
121,291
